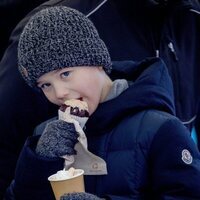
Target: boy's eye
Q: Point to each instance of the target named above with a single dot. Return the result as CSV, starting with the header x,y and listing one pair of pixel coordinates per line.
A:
x,y
65,74
45,85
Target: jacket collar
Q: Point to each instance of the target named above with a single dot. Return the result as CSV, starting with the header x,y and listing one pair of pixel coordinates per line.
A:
x,y
151,89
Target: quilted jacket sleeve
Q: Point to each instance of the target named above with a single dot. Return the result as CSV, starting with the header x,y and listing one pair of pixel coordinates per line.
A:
x,y
175,163
31,174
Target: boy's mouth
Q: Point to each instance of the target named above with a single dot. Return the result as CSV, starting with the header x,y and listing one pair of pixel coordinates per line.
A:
x,y
81,98
75,110
63,107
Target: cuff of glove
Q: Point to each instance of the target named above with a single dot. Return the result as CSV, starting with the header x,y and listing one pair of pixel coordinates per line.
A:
x,y
79,196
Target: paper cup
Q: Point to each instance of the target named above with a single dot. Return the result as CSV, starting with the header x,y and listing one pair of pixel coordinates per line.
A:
x,y
69,185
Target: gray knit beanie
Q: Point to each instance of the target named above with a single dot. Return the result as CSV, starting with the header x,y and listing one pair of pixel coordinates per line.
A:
x,y
59,37
79,196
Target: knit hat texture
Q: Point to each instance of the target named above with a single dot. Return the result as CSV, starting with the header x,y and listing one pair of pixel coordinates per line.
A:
x,y
79,196
59,37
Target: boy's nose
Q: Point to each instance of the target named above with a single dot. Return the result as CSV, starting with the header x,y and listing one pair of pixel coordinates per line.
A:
x,y
61,93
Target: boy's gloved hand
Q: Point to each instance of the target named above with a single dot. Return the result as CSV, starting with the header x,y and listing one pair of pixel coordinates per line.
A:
x,y
79,196
58,139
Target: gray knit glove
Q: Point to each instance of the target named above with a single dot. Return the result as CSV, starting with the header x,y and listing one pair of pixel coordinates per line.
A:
x,y
79,196
58,139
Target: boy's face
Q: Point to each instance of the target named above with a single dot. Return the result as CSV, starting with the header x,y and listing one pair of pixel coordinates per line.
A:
x,y
85,83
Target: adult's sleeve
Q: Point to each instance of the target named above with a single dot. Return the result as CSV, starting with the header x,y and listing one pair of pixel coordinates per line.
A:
x,y
174,163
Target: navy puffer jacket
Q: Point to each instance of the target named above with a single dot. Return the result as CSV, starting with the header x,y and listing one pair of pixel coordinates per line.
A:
x,y
149,153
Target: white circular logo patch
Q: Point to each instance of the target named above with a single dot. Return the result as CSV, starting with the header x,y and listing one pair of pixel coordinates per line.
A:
x,y
186,157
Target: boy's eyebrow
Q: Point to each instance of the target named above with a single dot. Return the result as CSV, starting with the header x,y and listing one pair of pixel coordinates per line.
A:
x,y
63,69
40,82
55,71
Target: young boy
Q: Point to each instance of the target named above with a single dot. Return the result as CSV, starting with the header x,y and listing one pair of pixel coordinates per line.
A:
x,y
148,152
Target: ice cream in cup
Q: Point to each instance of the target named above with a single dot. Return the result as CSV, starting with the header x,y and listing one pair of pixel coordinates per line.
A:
x,y
67,181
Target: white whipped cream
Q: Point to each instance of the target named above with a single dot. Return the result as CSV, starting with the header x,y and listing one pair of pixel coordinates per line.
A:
x,y
65,174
